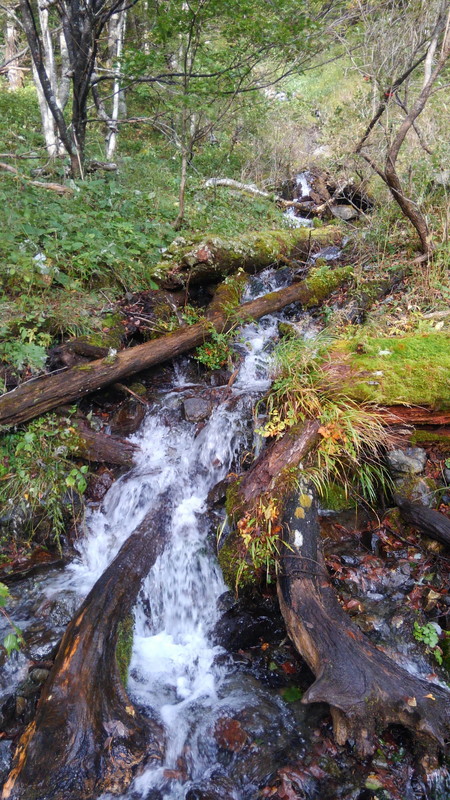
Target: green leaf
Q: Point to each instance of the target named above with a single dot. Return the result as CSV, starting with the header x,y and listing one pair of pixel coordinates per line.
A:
x,y
11,643
291,694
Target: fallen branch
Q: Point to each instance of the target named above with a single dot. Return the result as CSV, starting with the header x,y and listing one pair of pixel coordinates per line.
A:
x,y
53,187
44,393
102,448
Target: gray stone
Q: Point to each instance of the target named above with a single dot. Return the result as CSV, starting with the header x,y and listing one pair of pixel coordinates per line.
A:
x,y
447,476
196,409
344,212
418,490
408,461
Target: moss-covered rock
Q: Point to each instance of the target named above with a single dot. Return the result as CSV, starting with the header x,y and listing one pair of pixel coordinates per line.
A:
x,y
335,498
412,369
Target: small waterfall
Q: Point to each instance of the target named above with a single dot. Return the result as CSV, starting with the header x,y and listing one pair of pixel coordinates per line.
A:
x,y
303,186
177,672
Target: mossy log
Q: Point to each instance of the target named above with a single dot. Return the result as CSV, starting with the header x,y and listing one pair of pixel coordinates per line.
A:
x,y
212,257
49,391
366,690
87,738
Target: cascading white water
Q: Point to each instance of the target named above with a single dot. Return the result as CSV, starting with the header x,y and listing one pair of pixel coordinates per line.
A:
x,y
175,671
302,181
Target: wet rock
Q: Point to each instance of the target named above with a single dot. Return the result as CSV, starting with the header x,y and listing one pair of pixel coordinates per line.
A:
x,y
247,622
99,485
417,489
215,789
39,676
230,735
447,476
5,759
196,409
408,460
127,418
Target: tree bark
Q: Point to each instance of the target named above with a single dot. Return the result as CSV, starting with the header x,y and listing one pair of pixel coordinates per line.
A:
x,y
101,448
14,73
48,391
426,520
84,717
366,690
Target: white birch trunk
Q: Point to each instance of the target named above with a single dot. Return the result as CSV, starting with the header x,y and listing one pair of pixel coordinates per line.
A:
x,y
14,73
116,37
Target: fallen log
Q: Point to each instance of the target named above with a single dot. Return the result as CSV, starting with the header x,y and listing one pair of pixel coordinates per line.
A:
x,y
101,448
212,258
366,690
44,393
84,717
413,415
426,520
284,453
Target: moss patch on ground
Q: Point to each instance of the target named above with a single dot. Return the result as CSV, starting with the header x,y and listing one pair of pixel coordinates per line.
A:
x,y
412,369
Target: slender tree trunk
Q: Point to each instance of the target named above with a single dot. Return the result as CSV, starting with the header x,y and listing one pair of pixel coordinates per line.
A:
x,y
42,78
116,33
182,191
15,75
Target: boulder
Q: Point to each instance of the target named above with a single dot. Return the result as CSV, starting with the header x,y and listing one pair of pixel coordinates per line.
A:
x,y
407,461
417,489
196,409
344,212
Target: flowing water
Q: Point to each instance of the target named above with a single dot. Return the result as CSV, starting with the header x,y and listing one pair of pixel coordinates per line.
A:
x,y
177,672
179,675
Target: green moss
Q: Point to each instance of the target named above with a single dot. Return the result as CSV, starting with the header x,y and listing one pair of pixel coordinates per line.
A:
x,y
323,280
412,369
233,568
335,498
124,647
421,437
256,248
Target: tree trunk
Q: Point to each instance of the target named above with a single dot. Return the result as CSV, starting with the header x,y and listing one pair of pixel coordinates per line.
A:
x,y
212,258
426,520
43,80
116,34
365,689
48,391
14,73
84,717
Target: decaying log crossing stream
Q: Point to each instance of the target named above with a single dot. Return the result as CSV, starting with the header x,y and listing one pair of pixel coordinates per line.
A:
x,y
47,392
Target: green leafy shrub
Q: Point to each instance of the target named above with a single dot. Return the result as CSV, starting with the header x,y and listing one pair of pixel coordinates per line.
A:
x,y
14,639
38,477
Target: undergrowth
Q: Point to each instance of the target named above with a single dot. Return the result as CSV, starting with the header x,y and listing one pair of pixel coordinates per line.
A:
x,y
40,485
348,454
307,386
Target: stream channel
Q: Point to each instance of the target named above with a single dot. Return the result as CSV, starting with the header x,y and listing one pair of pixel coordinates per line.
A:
x,y
232,728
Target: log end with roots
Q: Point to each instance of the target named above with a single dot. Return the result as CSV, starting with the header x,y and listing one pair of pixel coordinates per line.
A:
x,y
365,689
87,738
